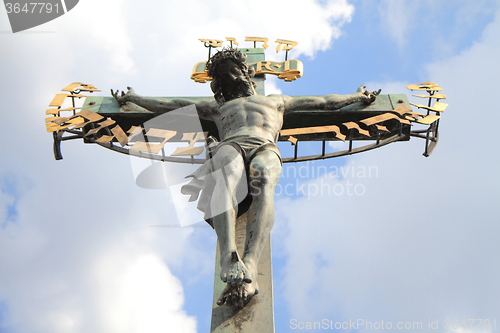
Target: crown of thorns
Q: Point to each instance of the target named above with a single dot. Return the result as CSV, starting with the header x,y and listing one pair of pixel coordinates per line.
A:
x,y
226,54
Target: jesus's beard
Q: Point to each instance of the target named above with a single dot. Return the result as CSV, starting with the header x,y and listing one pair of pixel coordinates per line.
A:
x,y
240,88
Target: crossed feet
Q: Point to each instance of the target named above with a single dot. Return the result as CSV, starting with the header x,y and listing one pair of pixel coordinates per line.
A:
x,y
241,279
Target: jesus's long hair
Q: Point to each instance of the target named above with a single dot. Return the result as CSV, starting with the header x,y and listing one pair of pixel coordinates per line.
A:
x,y
213,71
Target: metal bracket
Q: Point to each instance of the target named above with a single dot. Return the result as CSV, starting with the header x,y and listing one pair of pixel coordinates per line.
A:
x,y
431,133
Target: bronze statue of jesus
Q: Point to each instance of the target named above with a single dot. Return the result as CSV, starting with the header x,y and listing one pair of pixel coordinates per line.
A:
x,y
246,160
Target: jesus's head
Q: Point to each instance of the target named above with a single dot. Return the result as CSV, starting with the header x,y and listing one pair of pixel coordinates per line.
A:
x,y
231,77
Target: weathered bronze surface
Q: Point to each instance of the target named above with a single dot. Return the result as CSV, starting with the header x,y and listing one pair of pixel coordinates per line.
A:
x,y
258,314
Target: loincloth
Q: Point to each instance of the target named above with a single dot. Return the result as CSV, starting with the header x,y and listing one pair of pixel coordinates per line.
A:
x,y
249,147
202,185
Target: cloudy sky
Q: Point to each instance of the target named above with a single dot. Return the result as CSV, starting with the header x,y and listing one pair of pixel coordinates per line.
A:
x,y
82,248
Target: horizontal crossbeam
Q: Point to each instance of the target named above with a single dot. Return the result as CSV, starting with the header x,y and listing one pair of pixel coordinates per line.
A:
x,y
388,105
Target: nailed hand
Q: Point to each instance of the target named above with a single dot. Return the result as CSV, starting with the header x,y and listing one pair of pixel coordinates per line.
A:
x,y
368,97
123,97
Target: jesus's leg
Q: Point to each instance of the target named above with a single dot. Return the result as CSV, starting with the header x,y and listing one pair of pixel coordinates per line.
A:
x,y
264,174
229,170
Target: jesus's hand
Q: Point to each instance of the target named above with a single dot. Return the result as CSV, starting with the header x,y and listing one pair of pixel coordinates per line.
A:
x,y
368,97
124,97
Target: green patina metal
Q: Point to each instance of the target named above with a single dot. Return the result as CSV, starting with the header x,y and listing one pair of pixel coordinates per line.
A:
x,y
107,106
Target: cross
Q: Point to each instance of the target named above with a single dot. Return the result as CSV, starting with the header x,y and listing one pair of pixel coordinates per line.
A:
x,y
117,122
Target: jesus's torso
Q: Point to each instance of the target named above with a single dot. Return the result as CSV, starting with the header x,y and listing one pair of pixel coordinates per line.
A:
x,y
256,116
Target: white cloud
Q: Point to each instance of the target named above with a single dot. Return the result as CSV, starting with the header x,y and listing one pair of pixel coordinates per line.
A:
x,y
272,85
139,294
68,256
99,28
397,19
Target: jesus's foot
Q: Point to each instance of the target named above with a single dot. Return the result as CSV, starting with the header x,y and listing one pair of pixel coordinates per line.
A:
x,y
234,295
253,287
238,296
233,270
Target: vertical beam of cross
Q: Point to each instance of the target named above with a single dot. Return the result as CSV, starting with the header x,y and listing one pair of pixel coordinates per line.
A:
x,y
258,314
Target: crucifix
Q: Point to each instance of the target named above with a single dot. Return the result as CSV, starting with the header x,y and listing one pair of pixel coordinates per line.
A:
x,y
235,183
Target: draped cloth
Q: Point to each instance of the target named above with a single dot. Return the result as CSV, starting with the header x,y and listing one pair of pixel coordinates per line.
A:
x,y
203,180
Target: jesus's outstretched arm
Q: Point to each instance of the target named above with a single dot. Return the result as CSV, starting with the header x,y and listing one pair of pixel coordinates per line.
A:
x,y
327,102
206,109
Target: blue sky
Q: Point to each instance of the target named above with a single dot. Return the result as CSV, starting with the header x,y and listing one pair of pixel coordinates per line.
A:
x,y
79,250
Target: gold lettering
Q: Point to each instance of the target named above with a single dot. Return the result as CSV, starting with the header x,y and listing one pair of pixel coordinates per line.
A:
x,y
102,125
78,120
191,150
215,42
57,120
352,125
232,40
288,70
62,123
287,66
382,128
314,130
293,70
54,112
288,44
258,39
60,98
75,85
150,147
383,117
133,132
89,115
120,135
267,66
199,74
105,138
57,111
211,42
92,117
293,140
